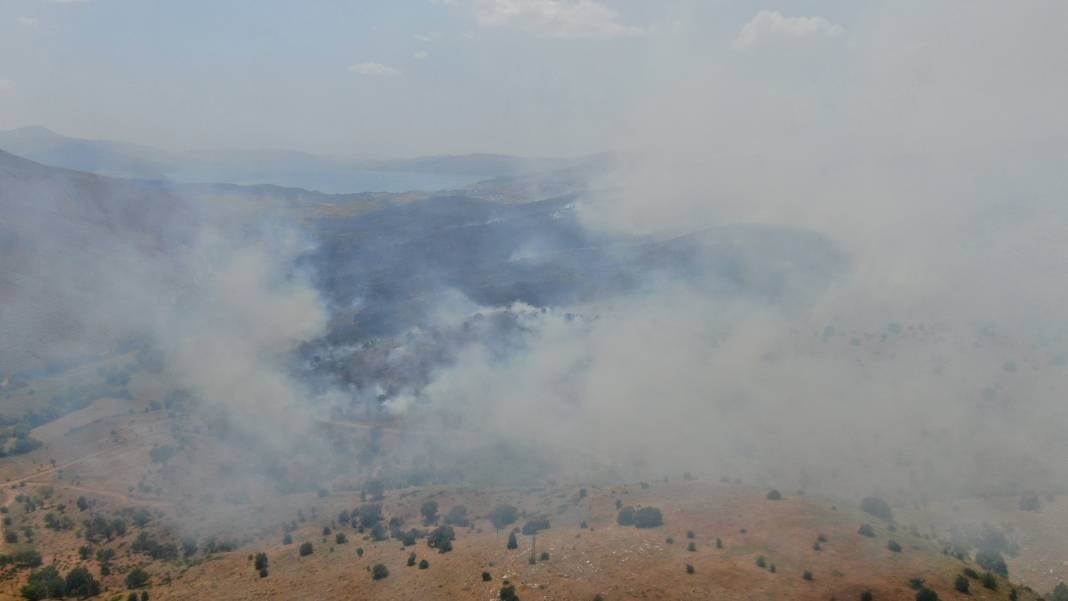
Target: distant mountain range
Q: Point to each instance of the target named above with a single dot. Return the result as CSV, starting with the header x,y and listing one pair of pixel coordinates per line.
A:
x,y
287,168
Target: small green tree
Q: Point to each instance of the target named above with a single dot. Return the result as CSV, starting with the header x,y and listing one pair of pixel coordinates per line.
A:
x,y
441,539
878,508
993,561
429,511
648,517
136,578
503,515
508,593
45,583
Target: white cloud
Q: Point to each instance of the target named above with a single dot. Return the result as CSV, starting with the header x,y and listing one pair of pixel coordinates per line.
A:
x,y
772,22
421,55
429,36
6,85
27,21
565,19
373,69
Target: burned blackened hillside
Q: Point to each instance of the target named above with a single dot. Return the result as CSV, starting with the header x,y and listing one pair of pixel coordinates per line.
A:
x,y
389,269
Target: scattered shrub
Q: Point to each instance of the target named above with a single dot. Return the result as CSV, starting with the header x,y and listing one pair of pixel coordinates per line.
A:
x,y
486,577
306,549
807,575
424,564
926,594
866,530
379,571
691,547
626,516
774,495
893,546
689,568
513,543
962,584
761,562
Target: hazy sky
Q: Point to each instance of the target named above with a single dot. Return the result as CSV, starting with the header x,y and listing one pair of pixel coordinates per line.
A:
x,y
536,77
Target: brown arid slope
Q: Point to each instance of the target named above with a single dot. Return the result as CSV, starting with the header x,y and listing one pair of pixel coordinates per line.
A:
x,y
98,462
618,562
